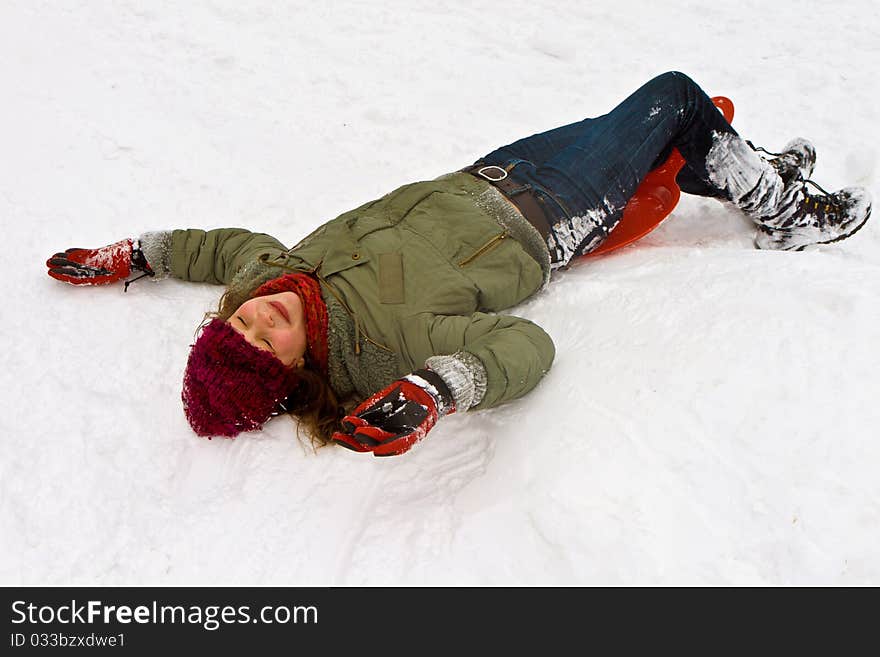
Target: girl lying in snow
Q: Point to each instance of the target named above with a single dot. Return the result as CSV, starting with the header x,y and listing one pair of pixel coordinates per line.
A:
x,y
383,320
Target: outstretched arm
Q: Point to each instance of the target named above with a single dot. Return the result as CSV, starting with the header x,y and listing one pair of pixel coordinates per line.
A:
x,y
212,256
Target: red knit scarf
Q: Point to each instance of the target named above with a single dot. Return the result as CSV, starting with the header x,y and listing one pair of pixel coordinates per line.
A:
x,y
309,291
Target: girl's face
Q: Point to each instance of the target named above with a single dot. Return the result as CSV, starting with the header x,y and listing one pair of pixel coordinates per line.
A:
x,y
274,323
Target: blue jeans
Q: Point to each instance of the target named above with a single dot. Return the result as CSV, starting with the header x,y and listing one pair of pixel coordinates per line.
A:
x,y
584,173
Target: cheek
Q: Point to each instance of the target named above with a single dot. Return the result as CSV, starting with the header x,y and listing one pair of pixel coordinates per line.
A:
x,y
290,342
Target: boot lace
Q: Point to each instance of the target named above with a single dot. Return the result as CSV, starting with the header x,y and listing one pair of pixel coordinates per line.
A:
x,y
820,204
763,150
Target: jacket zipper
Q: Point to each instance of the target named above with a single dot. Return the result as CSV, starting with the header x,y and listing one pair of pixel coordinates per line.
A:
x,y
488,246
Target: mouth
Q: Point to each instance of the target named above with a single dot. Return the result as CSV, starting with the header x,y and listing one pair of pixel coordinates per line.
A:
x,y
281,310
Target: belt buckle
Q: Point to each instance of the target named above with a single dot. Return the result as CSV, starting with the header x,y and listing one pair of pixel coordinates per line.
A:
x,y
482,170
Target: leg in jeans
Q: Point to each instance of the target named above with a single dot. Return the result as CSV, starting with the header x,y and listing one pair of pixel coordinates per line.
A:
x,y
586,172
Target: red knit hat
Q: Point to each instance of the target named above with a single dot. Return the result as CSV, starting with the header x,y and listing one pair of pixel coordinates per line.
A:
x,y
231,386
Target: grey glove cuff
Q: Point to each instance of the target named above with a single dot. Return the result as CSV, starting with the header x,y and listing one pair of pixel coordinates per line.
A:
x,y
434,385
465,376
156,247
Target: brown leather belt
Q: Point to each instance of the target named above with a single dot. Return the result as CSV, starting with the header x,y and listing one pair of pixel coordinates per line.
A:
x,y
519,194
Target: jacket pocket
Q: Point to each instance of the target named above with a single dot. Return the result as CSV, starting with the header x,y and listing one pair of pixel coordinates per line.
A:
x,y
391,278
488,246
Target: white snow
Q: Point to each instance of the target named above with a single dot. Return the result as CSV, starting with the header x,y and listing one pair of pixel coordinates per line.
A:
x,y
711,417
567,236
733,166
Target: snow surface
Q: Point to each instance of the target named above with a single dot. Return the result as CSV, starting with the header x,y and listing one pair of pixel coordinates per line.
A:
x,y
712,414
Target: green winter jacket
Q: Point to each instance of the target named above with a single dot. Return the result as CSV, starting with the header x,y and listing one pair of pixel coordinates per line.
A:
x,y
420,272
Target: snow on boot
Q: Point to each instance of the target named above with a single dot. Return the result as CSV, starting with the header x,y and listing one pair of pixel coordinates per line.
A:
x,y
818,219
793,166
797,159
765,189
773,194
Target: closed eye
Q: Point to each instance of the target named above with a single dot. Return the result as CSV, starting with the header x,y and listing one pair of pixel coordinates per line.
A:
x,y
238,317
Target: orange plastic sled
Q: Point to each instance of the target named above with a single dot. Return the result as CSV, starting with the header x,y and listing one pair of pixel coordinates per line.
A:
x,y
655,198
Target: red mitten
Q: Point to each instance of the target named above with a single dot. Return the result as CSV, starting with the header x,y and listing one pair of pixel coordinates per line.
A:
x,y
98,266
394,419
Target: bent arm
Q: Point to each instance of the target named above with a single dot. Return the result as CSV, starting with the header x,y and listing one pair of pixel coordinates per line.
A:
x,y
506,355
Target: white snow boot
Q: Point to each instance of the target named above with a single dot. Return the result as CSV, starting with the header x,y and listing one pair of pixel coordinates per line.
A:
x,y
773,193
818,219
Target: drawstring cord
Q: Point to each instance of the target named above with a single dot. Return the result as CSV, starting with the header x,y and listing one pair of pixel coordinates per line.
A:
x,y
138,261
146,273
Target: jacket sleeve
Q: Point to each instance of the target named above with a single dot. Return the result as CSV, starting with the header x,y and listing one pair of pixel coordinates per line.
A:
x,y
206,256
515,353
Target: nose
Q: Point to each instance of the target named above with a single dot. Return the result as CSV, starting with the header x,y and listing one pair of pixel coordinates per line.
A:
x,y
266,315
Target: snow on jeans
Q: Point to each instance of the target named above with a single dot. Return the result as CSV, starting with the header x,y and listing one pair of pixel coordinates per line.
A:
x,y
584,173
